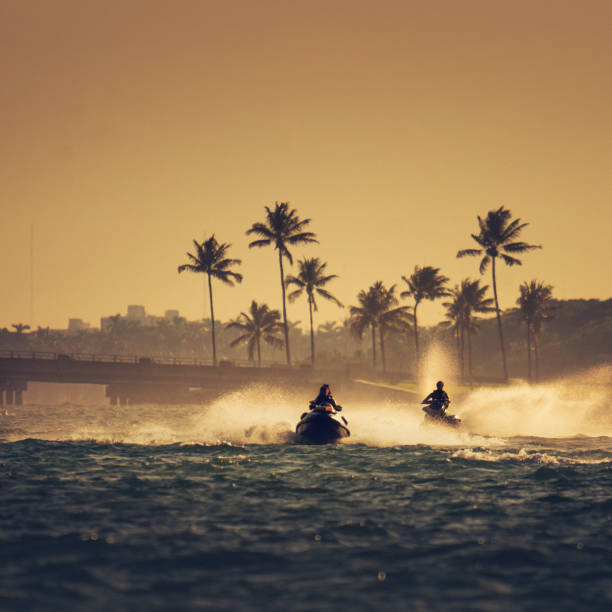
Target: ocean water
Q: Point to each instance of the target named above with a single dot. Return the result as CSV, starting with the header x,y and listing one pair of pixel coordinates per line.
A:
x,y
213,508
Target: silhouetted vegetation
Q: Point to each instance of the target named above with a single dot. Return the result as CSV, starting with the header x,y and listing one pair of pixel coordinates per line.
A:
x,y
497,237
423,284
260,324
467,299
378,310
578,336
535,307
281,228
210,259
311,279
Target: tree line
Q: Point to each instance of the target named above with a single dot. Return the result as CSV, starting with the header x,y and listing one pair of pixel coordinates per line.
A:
x,y
387,314
378,307
577,336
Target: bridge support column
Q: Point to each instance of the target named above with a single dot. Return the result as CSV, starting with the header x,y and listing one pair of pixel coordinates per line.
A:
x,y
19,397
1,397
9,396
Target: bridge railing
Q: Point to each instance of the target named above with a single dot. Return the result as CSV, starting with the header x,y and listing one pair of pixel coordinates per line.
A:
x,y
108,358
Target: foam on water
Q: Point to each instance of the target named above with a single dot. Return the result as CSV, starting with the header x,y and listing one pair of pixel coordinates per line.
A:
x,y
260,415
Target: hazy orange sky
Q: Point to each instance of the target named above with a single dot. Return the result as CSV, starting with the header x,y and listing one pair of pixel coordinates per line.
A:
x,y
131,127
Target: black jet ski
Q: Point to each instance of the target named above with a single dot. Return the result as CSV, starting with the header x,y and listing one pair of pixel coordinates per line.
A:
x,y
436,415
321,425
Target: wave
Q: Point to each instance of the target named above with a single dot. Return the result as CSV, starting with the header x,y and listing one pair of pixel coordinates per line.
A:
x,y
525,455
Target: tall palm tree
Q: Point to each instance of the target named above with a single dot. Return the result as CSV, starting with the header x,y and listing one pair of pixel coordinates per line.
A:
x,y
311,279
260,324
211,259
376,310
424,283
536,306
281,228
496,238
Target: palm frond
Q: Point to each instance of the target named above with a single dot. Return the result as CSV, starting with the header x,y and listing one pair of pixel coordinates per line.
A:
x,y
520,247
484,264
468,253
511,261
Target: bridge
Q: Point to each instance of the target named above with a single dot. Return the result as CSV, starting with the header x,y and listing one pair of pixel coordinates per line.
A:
x,y
132,380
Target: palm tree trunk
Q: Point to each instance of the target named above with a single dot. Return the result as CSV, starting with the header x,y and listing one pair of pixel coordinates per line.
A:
x,y
462,345
312,350
536,343
528,351
469,347
382,348
373,345
212,321
499,321
287,350
416,338
258,351
458,339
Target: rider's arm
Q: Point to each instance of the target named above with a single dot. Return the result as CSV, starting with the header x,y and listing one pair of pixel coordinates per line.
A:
x,y
428,398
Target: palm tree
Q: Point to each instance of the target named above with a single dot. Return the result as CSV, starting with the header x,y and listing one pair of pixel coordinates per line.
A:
x,y
535,302
467,299
329,328
376,311
211,259
261,324
497,237
473,301
311,279
454,314
281,228
423,284
20,328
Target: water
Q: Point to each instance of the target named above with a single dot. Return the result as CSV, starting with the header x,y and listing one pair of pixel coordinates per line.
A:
x,y
184,508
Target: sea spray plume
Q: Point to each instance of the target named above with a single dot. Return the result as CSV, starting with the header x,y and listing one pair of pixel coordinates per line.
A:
x,y
497,237
438,364
211,259
558,409
281,228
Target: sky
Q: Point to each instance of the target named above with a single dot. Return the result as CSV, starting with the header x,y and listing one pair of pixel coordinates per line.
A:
x,y
131,128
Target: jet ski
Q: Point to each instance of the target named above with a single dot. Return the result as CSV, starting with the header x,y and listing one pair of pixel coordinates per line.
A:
x,y
436,415
321,425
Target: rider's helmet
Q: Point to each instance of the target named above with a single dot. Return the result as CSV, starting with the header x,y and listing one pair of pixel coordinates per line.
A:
x,y
440,384
324,388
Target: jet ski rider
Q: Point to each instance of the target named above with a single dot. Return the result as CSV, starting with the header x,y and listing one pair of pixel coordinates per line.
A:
x,y
324,398
437,401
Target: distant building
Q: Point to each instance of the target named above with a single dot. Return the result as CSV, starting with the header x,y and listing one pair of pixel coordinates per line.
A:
x,y
136,313
75,325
